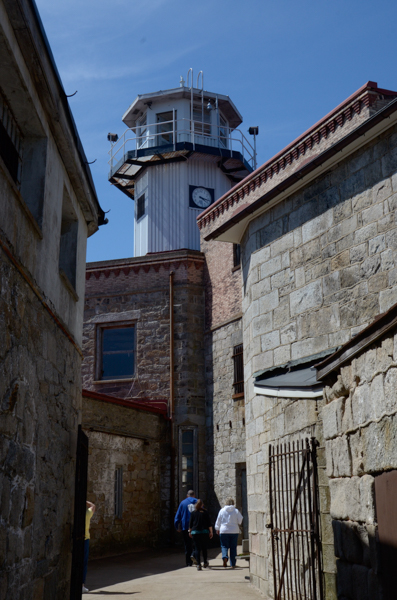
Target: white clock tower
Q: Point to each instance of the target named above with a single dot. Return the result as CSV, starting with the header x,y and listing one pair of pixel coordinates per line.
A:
x,y
182,150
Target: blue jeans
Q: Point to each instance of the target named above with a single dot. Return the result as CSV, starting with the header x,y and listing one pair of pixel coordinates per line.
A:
x,y
86,552
229,540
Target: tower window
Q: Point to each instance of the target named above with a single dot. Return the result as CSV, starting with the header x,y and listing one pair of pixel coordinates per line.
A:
x,y
238,379
165,128
223,131
140,209
117,352
141,130
202,120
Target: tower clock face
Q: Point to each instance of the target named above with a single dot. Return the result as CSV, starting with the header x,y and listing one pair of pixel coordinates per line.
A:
x,y
200,197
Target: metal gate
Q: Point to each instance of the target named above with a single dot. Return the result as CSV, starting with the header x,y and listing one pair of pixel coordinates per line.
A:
x,y
295,527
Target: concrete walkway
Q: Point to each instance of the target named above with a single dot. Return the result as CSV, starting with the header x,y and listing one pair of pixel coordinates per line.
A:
x,y
154,575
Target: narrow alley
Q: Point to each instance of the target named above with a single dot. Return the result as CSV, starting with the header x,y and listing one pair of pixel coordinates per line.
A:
x,y
161,575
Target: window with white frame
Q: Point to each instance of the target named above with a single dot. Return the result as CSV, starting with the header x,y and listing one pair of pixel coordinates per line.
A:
x,y
141,130
165,123
223,131
201,119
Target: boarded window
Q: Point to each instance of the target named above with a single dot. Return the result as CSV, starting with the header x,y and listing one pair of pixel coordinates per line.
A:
x,y
118,352
238,380
140,209
118,493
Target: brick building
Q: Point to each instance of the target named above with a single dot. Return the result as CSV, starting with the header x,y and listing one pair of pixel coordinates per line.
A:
x,y
317,229
48,209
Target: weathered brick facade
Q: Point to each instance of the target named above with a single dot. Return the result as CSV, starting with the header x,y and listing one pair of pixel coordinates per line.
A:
x,y
136,439
137,291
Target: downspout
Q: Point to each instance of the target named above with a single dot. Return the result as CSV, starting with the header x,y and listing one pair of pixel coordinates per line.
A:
x,y
171,411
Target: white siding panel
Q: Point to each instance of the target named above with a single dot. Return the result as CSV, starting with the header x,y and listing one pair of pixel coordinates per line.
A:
x,y
170,223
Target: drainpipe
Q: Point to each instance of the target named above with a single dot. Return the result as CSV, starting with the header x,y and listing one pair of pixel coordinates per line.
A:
x,y
171,410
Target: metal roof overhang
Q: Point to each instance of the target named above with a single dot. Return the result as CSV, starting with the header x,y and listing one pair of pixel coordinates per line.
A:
x,y
225,104
233,229
301,383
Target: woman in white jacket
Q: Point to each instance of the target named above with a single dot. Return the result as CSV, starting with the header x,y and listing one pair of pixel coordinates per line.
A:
x,y
227,527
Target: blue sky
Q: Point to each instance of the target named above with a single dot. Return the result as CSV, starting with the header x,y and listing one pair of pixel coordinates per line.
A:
x,y
285,64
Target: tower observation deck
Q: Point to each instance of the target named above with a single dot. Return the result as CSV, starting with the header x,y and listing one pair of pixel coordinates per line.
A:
x,y
178,140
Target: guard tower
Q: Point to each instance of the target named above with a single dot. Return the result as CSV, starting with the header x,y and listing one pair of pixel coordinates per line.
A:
x,y
182,150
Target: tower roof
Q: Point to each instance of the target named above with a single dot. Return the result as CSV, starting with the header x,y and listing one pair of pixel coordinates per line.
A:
x,y
224,102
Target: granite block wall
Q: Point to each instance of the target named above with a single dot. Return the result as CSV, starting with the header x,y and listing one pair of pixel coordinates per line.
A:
x,y
40,406
359,418
317,268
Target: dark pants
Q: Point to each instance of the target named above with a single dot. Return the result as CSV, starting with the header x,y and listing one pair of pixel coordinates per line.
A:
x,y
229,540
86,552
200,541
187,540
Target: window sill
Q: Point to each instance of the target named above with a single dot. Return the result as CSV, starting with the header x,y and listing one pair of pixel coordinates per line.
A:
x,y
68,285
24,206
238,396
236,268
103,381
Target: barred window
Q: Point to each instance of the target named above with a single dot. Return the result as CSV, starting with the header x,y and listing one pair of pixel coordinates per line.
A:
x,y
10,141
238,380
116,351
118,493
236,255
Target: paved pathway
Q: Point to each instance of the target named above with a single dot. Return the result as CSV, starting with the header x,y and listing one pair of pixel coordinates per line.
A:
x,y
155,575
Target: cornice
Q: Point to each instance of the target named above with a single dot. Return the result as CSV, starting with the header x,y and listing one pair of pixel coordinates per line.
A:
x,y
168,261
328,127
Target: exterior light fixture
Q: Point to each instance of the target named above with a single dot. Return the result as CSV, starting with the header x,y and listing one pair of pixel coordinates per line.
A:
x,y
113,137
209,105
254,131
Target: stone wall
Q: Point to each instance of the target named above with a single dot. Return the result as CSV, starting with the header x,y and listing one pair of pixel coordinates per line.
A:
x,y
317,267
137,290
360,419
39,415
138,441
225,416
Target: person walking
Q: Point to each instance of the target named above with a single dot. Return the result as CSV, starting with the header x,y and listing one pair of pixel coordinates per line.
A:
x,y
227,527
200,530
90,509
181,523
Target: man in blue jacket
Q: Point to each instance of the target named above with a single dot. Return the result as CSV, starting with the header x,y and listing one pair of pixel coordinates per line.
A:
x,y
181,522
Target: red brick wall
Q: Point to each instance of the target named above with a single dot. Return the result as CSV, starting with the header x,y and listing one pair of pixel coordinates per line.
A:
x,y
222,283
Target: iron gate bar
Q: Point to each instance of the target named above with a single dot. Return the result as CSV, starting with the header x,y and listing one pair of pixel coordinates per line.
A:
x,y
290,527
293,487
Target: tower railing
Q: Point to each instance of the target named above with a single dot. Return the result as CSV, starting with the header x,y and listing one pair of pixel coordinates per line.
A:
x,y
169,134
